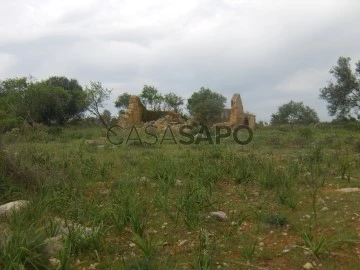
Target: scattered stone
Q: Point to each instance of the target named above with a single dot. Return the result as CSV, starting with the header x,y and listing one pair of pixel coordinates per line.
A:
x,y
219,215
132,245
144,179
320,200
93,266
324,209
53,245
89,142
64,225
347,190
182,243
179,183
54,262
308,266
8,208
286,250
284,234
105,191
307,216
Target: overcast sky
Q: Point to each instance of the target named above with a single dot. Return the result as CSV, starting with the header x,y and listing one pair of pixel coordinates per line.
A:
x,y
270,52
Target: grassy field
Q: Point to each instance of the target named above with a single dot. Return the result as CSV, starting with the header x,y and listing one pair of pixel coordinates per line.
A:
x,y
149,206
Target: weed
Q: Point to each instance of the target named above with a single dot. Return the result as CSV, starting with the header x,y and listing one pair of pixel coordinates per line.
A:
x,y
145,245
275,219
249,250
204,258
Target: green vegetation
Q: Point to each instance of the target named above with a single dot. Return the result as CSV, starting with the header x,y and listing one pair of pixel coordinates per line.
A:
x,y
148,207
294,113
343,96
274,203
206,105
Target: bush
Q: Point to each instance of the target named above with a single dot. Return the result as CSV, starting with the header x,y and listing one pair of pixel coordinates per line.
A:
x,y
55,131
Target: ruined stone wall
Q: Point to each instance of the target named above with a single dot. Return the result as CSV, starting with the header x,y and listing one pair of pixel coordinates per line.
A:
x,y
238,117
135,111
225,115
136,114
237,109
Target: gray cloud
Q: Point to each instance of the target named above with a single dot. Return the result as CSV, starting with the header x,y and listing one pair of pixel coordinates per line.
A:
x,y
270,52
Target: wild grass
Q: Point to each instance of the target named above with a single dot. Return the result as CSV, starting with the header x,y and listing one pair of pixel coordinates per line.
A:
x,y
148,207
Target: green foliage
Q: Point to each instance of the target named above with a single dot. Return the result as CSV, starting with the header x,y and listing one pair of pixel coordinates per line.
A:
x,y
96,96
54,130
275,219
206,105
173,102
343,96
151,97
145,245
204,259
122,102
52,101
249,250
76,104
106,115
82,239
294,113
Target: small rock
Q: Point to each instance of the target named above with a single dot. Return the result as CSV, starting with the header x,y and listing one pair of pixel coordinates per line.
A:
x,y
93,266
219,215
307,216
182,243
53,245
54,262
347,190
286,250
132,245
320,200
324,209
308,266
261,244
179,183
105,191
8,208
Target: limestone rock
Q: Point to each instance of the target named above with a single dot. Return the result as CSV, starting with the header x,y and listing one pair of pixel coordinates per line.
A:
x,y
347,190
308,266
219,215
135,110
236,109
8,208
53,245
54,262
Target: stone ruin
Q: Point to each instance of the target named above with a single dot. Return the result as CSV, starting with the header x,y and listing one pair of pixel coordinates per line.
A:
x,y
238,116
137,114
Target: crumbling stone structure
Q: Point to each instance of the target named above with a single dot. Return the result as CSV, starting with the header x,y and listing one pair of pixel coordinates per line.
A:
x,y
238,116
137,114
135,111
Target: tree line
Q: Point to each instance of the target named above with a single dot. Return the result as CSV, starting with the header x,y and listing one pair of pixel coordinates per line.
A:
x,y
57,100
